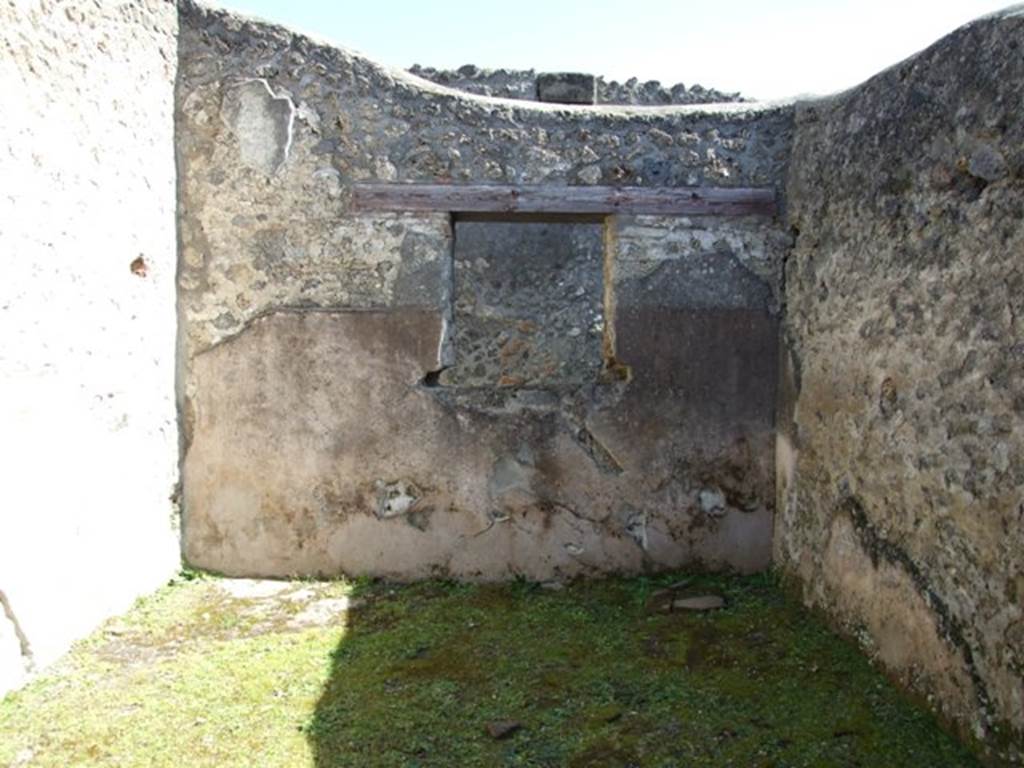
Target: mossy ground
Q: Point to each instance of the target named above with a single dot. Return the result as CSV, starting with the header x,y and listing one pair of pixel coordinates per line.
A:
x,y
411,675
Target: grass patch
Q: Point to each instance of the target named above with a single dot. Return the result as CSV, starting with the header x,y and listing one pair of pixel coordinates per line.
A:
x,y
412,675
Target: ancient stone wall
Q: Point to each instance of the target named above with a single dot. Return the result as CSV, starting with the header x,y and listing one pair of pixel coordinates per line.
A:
x,y
491,395
406,394
88,429
901,449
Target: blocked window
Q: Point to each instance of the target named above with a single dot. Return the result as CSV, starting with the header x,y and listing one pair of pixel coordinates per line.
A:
x,y
528,308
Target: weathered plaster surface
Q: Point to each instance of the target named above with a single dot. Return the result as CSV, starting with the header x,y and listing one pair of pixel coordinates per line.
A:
x,y
901,449
294,469
407,395
88,436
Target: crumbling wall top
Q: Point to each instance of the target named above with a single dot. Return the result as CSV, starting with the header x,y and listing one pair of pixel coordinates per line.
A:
x,y
525,84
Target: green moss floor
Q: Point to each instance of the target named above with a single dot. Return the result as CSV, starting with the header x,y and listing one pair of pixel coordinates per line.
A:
x,y
210,672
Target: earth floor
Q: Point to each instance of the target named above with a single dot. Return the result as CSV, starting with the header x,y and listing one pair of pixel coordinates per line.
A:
x,y
218,672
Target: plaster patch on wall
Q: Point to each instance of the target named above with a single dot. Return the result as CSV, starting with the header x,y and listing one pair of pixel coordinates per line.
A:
x,y
396,499
251,267
261,122
649,244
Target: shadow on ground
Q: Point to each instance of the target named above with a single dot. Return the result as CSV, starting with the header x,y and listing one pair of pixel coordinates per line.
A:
x,y
604,674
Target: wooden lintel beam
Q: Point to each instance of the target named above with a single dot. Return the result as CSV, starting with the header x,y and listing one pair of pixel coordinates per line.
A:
x,y
481,198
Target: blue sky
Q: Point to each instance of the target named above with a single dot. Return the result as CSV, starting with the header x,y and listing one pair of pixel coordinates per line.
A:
x,y
763,48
